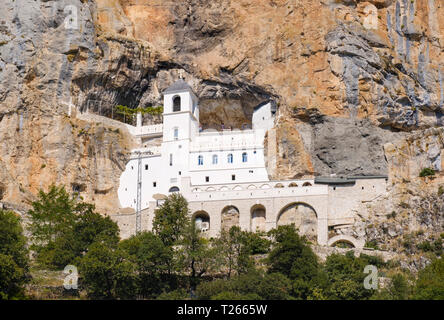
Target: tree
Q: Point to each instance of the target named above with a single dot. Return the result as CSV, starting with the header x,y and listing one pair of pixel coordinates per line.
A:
x,y
253,284
107,273
346,276
63,228
196,256
430,283
292,257
397,289
154,263
52,216
171,219
14,260
234,251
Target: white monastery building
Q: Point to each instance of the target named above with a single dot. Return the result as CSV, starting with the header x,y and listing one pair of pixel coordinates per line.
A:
x,y
223,176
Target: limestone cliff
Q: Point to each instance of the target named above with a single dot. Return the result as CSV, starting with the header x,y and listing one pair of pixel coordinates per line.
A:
x,y
354,80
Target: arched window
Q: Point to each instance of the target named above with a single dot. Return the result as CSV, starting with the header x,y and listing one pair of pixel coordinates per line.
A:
x,y
244,157
200,160
230,158
174,189
214,158
176,104
176,133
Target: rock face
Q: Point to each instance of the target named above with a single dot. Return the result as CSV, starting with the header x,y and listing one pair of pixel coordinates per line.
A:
x,y
354,80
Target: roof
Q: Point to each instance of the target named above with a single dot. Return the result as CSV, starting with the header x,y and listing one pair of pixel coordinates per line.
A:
x,y
178,86
344,180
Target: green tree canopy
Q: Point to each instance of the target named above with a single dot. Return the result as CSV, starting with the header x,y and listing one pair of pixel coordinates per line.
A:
x,y
430,283
107,273
14,259
171,219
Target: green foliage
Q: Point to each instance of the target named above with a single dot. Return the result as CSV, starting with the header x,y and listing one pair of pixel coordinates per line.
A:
x,y
129,113
154,263
427,172
179,294
234,251
107,273
195,256
63,228
292,257
430,283
252,285
52,216
14,264
371,244
256,242
345,274
171,219
397,289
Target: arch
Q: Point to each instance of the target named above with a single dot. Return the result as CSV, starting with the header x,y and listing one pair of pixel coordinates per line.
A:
x,y
174,189
197,190
229,217
202,220
279,185
224,188
237,188
357,243
258,218
303,216
210,189
251,187
265,186
176,103
293,185
307,184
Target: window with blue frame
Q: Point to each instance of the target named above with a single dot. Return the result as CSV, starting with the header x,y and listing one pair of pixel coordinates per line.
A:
x,y
244,157
230,158
214,158
200,160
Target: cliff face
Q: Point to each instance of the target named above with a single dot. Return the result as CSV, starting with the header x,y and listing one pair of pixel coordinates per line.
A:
x,y
349,78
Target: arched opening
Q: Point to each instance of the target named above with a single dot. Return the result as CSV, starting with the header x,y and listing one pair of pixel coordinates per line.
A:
x,y
229,217
293,185
174,189
279,185
202,221
343,244
258,218
176,104
345,241
307,184
303,216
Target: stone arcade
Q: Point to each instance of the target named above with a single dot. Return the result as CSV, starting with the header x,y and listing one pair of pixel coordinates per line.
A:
x,y
223,176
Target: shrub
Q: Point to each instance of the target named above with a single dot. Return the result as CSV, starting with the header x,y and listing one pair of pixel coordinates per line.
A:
x,y
371,244
427,172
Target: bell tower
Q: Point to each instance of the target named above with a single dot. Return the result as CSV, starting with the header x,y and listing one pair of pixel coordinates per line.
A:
x,y
180,112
